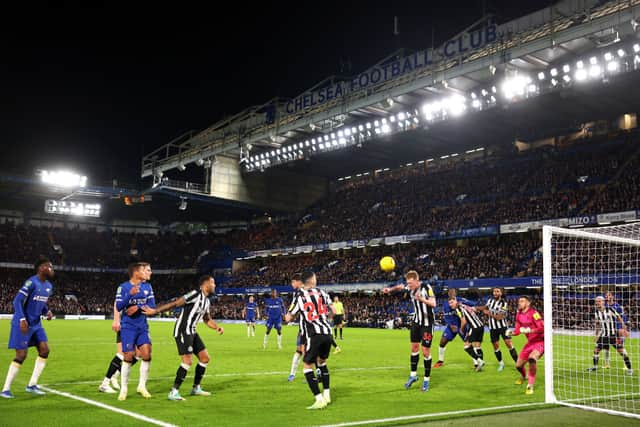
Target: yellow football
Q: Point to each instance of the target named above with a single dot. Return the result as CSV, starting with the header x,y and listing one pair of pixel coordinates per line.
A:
x,y
387,264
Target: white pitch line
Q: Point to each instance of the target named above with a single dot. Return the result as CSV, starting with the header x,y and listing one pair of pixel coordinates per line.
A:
x,y
437,414
245,374
109,407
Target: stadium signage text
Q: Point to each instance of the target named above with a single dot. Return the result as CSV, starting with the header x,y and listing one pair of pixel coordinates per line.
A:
x,y
463,44
63,207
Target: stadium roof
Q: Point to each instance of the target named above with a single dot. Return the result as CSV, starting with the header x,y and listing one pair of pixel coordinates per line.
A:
x,y
551,38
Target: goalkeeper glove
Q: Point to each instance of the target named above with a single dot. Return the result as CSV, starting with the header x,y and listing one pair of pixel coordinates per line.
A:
x,y
525,330
509,332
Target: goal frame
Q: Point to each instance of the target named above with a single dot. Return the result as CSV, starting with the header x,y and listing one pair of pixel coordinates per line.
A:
x,y
547,234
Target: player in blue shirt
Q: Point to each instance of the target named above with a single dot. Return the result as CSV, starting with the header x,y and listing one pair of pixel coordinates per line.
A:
x,y
452,320
29,305
611,303
275,311
134,330
251,312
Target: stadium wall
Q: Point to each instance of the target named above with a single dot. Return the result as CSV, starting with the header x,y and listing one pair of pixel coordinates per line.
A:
x,y
276,189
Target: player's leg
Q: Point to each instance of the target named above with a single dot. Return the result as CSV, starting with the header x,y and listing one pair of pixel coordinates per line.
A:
x,y
323,355
447,335
335,344
495,341
20,343
468,348
110,381
533,366
185,350
128,336
341,326
40,339
311,356
266,334
415,337
522,360
619,345
509,343
248,328
297,357
144,347
600,344
279,331
427,337
203,361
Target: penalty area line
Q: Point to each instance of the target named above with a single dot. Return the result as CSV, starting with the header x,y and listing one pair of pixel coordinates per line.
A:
x,y
437,414
109,407
239,374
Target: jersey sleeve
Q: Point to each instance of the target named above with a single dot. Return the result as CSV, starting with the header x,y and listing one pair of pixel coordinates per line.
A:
x,y
189,297
151,299
21,296
122,297
295,307
539,322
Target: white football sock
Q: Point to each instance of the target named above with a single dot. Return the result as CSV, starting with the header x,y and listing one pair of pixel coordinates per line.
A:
x,y
14,367
37,370
144,374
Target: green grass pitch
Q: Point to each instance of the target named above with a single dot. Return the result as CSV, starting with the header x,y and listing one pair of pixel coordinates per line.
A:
x,y
250,385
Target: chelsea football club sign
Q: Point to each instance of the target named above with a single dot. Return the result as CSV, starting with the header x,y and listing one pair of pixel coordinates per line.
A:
x,y
463,44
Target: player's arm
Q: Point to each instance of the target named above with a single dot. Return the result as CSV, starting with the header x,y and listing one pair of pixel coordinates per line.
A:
x,y
123,297
623,331
392,289
18,304
46,312
212,324
538,327
463,320
115,326
516,330
151,299
293,310
151,311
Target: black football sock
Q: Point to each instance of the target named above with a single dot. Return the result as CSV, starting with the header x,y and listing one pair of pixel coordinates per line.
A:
x,y
114,366
325,376
414,361
312,381
200,369
427,367
514,354
498,354
181,374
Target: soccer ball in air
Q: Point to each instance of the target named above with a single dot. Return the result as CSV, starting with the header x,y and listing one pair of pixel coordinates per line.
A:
x,y
387,264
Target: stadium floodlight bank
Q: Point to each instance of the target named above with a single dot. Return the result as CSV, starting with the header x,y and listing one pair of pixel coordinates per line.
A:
x,y
588,274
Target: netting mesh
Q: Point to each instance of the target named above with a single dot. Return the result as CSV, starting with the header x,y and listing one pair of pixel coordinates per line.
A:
x,y
585,266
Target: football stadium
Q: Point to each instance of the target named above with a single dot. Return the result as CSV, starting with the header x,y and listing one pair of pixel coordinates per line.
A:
x,y
449,235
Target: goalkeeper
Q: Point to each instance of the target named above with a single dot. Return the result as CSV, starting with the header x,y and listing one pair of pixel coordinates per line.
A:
x,y
530,323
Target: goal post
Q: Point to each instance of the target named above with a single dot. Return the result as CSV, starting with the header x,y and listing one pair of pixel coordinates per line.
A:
x,y
591,287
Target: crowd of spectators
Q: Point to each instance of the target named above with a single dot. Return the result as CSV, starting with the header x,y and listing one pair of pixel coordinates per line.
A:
x,y
476,259
546,183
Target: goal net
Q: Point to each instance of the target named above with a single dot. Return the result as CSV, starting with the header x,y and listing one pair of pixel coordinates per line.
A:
x,y
591,295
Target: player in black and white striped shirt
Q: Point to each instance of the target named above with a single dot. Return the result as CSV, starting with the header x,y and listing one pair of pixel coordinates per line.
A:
x,y
424,301
196,308
496,310
475,331
314,305
607,321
